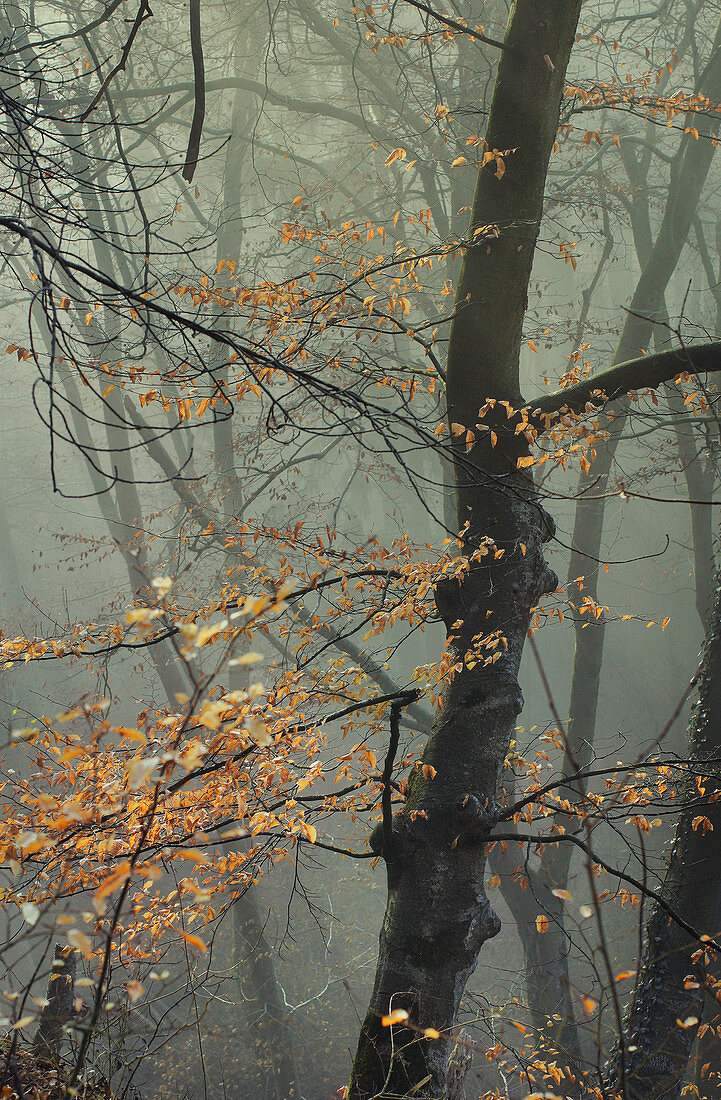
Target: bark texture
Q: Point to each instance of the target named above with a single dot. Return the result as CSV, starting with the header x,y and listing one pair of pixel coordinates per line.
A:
x,y
671,980
437,916
548,981
60,1007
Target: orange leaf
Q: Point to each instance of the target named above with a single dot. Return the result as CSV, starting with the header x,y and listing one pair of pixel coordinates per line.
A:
x,y
111,882
397,1016
193,853
135,991
397,154
194,941
81,941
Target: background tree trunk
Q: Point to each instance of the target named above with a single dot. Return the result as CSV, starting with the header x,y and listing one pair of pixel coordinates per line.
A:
x,y
663,1021
265,1014
548,982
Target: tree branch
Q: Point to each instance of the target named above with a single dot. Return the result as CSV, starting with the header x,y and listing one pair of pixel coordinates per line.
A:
x,y
144,13
650,371
527,838
310,107
396,708
458,26
196,127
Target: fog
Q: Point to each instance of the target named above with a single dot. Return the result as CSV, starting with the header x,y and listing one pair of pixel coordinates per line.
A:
x,y
337,143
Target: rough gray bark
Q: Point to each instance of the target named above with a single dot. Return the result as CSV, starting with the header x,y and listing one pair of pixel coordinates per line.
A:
x,y
438,916
672,969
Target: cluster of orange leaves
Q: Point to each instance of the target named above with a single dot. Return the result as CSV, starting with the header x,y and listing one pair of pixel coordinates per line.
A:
x,y
160,824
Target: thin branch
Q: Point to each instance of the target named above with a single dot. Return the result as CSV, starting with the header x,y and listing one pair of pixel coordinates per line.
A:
x,y
196,128
85,29
144,13
396,708
448,22
310,107
526,838
648,372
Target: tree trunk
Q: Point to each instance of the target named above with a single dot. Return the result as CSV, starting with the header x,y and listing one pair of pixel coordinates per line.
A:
x,y
438,916
663,1021
547,955
60,1007
688,176
261,1004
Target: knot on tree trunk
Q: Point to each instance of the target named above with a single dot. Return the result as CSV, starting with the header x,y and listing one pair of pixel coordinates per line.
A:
x,y
547,582
475,817
470,820
499,589
547,524
484,926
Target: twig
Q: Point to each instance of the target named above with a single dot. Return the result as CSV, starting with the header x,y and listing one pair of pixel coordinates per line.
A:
x,y
396,709
458,26
708,942
144,13
196,128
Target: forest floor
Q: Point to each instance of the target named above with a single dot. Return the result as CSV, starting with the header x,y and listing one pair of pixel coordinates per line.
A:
x,y
24,1077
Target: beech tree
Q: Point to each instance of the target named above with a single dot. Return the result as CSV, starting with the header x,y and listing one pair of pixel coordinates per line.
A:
x,y
438,916
549,986
137,359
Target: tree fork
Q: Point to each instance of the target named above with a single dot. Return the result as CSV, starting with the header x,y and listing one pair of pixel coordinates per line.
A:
x,y
438,916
